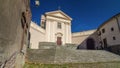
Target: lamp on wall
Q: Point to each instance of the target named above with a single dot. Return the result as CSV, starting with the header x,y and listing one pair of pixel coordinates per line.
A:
x,y
37,3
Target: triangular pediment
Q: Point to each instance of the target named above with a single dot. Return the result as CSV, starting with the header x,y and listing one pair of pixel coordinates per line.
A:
x,y
59,14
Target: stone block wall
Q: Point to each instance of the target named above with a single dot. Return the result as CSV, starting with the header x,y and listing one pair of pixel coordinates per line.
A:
x,y
114,48
44,55
83,44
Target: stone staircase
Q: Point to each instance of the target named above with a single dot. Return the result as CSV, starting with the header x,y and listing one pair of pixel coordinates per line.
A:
x,y
50,53
66,55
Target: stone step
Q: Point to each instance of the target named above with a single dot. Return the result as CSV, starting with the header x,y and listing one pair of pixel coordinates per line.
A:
x,y
84,56
61,54
41,55
47,45
50,53
51,45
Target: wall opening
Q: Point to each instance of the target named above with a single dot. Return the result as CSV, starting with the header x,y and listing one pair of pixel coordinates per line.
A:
x,y
59,38
59,41
90,44
105,42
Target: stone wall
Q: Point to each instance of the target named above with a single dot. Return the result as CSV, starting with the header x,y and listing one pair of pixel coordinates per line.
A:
x,y
114,48
14,17
79,37
110,31
94,36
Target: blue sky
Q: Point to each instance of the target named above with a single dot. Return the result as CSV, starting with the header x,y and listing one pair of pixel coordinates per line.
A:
x,y
86,14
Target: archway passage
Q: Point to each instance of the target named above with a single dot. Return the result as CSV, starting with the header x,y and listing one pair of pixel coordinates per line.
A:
x,y
90,44
59,42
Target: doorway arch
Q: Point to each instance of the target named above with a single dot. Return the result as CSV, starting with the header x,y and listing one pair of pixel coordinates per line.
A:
x,y
59,38
90,43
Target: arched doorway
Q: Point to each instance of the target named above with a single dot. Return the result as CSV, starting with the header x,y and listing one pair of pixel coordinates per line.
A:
x,y
59,38
90,44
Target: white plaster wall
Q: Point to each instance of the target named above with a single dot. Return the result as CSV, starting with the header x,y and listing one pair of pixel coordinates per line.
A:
x,y
70,34
58,19
109,34
65,39
94,36
49,34
37,35
48,31
51,29
79,37
67,33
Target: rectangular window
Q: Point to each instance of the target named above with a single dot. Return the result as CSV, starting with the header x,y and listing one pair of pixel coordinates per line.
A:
x,y
103,30
59,25
114,38
99,33
112,29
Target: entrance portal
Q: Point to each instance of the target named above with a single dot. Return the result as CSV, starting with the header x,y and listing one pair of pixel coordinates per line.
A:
x,y
59,42
90,44
59,38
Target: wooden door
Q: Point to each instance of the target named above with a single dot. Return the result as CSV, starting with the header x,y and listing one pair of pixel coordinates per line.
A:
x,y
59,42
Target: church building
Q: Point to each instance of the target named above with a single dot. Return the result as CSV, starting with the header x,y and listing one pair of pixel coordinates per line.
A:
x,y
55,27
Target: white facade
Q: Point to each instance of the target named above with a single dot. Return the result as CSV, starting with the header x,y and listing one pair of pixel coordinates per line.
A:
x,y
37,35
50,30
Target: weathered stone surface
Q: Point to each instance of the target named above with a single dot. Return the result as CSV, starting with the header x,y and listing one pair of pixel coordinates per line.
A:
x,y
11,31
47,45
114,48
41,56
71,46
84,56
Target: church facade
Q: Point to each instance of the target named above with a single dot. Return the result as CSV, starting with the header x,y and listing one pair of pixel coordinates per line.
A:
x,y
55,27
